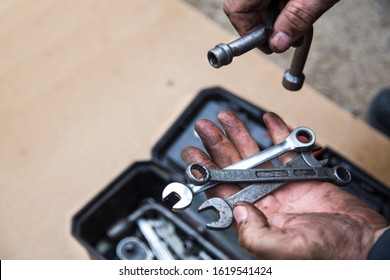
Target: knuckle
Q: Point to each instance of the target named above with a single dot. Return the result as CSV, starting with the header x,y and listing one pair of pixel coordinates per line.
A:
x,y
299,16
230,7
234,6
227,11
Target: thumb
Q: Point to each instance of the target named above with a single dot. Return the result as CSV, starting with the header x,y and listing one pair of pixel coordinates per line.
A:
x,y
252,223
296,18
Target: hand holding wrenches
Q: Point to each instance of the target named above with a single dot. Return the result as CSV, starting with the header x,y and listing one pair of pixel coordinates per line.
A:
x,y
301,139
254,192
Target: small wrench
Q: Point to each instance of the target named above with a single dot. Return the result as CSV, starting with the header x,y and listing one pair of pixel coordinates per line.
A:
x,y
337,175
251,194
301,139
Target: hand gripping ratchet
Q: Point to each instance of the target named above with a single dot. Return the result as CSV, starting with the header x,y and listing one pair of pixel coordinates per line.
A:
x,y
301,139
293,78
257,191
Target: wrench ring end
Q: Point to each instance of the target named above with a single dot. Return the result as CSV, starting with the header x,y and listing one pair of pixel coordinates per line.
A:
x,y
302,137
343,175
202,169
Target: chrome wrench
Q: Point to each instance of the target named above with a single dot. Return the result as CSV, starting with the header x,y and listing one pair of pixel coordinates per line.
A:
x,y
300,139
253,193
337,175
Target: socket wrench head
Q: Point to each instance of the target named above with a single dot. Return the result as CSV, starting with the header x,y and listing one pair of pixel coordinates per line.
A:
x,y
220,55
291,82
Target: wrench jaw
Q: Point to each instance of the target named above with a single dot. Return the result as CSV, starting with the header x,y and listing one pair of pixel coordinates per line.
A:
x,y
222,209
182,192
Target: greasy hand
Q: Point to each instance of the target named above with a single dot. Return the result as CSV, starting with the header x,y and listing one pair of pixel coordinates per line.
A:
x,y
301,220
295,18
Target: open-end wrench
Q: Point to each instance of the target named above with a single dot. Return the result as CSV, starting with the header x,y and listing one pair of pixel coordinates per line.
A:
x,y
337,175
251,194
300,139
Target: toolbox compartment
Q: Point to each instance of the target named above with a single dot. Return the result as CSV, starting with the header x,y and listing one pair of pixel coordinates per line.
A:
x,y
143,182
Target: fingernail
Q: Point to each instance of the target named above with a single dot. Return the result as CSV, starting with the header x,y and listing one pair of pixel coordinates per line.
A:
x,y
281,41
240,214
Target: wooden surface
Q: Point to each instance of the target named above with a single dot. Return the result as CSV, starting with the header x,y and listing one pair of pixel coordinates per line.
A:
x,y
88,87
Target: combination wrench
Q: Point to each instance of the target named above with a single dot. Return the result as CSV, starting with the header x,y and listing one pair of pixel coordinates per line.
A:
x,y
223,206
337,175
301,139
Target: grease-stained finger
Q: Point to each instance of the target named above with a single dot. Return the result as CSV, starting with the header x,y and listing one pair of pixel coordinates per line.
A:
x,y
279,131
192,155
238,134
221,150
246,16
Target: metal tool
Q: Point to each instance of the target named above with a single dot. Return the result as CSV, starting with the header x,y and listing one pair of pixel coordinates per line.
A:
x,y
223,54
301,139
337,175
293,78
167,232
132,248
253,193
152,214
158,247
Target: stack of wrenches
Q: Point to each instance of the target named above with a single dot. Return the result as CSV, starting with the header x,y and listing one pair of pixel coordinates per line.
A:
x,y
303,167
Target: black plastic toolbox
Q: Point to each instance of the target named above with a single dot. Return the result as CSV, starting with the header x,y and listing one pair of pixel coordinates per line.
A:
x,y
140,186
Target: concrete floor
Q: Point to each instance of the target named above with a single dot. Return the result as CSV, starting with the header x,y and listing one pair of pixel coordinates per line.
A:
x,y
349,60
